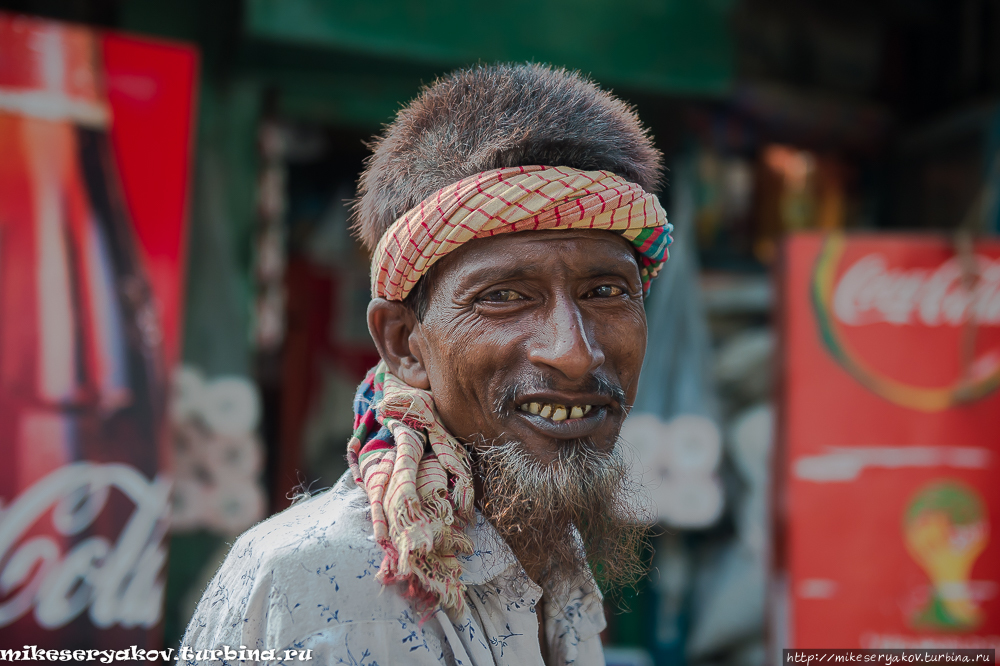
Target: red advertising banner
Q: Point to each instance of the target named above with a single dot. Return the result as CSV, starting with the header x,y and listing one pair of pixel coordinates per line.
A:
x,y
888,503
95,143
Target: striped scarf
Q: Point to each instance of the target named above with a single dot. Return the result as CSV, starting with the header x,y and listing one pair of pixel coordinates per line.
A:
x,y
419,484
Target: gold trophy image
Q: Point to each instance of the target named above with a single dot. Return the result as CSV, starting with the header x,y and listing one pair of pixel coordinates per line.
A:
x,y
946,530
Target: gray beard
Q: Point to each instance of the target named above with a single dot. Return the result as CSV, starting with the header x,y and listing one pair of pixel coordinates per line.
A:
x,y
556,516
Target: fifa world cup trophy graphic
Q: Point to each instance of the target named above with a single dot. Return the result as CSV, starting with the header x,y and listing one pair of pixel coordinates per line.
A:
x,y
82,514
946,530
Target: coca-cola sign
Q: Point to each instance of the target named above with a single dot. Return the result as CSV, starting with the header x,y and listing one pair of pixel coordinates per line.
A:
x,y
57,576
886,502
871,291
871,305
92,209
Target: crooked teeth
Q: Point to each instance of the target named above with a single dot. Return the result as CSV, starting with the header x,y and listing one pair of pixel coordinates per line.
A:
x,y
557,412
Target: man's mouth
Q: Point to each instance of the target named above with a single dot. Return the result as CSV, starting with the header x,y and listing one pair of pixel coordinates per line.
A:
x,y
588,410
556,412
563,419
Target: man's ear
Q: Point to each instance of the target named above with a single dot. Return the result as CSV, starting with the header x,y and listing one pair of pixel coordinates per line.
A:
x,y
395,330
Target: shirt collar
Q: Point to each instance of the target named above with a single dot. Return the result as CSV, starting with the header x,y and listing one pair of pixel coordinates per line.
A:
x,y
578,607
491,557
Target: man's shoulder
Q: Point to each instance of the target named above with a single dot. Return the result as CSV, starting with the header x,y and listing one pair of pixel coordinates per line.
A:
x,y
304,579
308,569
333,525
321,550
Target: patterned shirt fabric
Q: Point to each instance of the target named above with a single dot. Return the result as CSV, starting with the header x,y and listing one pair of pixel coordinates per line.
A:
x,y
524,198
305,580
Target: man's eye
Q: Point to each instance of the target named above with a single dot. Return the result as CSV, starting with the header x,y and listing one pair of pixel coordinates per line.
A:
x,y
502,296
606,291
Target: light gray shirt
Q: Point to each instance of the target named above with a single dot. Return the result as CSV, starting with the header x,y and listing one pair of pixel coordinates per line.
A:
x,y
304,581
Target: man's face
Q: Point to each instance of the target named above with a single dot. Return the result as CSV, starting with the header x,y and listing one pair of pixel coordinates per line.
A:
x,y
542,321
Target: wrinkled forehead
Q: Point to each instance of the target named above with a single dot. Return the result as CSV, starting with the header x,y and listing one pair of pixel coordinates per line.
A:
x,y
553,255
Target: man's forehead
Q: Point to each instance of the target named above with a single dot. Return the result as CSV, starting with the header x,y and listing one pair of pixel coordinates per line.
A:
x,y
525,246
534,253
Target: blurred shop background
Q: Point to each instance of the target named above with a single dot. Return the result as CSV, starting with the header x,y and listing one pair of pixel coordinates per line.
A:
x,y
775,116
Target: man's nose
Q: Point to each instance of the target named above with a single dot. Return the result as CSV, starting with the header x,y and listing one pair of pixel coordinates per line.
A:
x,y
563,342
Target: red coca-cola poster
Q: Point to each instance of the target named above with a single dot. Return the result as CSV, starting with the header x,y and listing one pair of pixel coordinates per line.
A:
x,y
95,143
889,500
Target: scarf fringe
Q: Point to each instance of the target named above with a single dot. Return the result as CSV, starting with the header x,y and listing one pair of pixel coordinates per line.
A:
x,y
421,507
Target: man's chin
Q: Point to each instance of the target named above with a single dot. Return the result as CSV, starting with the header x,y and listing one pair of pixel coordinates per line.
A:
x,y
547,446
545,451
558,511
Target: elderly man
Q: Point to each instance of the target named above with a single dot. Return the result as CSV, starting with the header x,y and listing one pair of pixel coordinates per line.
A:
x,y
513,239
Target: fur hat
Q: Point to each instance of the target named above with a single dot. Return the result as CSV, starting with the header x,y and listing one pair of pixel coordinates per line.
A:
x,y
490,117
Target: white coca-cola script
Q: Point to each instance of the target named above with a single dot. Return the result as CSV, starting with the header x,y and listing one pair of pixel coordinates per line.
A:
x,y
870,292
120,583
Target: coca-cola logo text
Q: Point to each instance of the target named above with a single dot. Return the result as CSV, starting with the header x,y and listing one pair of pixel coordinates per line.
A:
x,y
871,292
119,583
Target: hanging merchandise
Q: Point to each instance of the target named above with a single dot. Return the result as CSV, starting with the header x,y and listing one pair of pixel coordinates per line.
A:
x,y
217,454
724,196
269,265
889,506
672,425
92,209
731,613
672,428
798,190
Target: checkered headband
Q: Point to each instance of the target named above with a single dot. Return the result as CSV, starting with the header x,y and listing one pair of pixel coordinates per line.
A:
x,y
529,198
